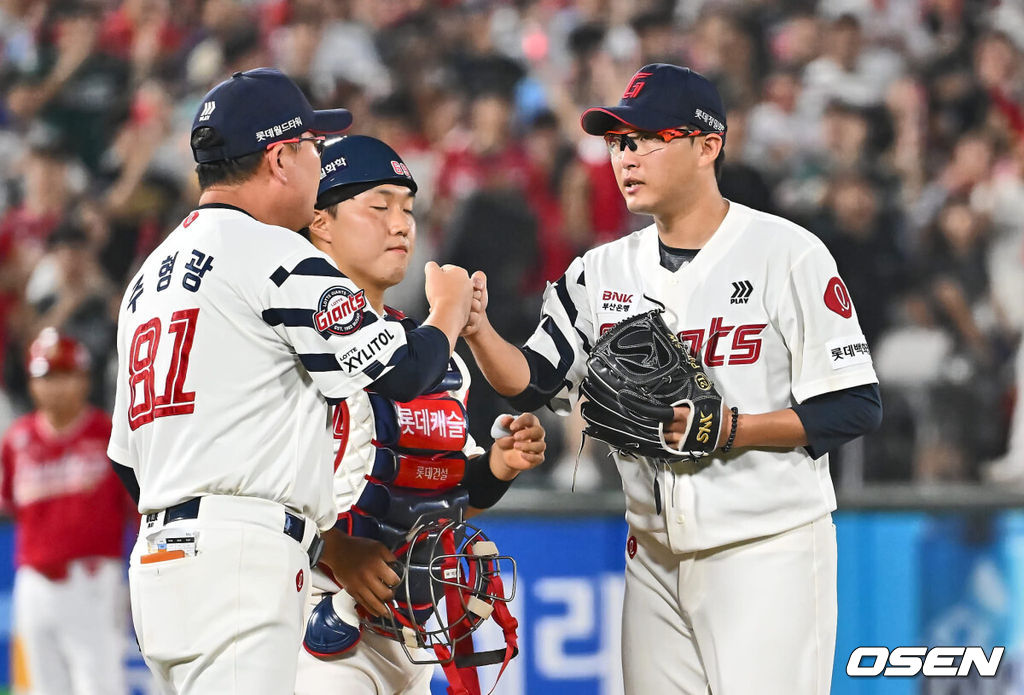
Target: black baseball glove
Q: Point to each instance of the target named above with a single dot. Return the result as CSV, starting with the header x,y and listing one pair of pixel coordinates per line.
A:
x,y
636,373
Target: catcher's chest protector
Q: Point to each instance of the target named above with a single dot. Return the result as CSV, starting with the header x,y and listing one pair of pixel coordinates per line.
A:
x,y
412,503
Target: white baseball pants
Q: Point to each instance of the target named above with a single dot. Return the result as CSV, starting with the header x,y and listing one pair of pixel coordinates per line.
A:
x,y
228,619
73,630
751,618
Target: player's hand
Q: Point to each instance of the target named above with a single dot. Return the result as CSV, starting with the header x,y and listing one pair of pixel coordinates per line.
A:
x,y
522,450
478,307
675,429
449,287
361,566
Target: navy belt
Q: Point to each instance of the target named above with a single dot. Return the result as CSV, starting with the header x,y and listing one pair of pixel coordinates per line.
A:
x,y
294,526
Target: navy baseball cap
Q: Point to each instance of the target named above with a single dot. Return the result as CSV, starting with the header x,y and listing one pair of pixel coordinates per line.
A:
x,y
357,163
256,108
661,96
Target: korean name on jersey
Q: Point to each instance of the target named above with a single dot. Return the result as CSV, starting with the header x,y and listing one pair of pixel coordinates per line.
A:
x,y
233,337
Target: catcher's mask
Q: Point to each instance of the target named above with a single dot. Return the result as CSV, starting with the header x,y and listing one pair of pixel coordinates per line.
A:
x,y
449,562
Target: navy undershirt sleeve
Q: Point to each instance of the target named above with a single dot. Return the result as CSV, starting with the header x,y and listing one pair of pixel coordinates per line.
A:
x,y
128,479
833,419
484,489
545,382
422,366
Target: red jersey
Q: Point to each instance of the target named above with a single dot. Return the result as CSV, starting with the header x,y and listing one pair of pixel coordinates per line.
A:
x,y
609,217
463,171
27,229
63,493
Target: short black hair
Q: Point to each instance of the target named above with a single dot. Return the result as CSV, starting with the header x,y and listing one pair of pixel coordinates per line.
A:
x,y
225,171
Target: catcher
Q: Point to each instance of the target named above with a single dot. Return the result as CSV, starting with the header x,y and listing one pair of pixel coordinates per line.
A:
x,y
403,464
729,508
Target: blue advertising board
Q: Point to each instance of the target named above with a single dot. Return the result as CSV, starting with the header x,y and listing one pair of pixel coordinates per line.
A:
x,y
905,578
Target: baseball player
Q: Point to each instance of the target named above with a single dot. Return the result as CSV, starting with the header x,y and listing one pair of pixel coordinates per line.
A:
x,y
731,569
232,338
71,513
364,221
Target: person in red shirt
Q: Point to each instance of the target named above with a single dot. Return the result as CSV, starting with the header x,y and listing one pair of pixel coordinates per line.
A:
x,y
70,512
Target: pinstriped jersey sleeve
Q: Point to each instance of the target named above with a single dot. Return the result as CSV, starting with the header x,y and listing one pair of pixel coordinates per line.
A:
x,y
557,351
337,336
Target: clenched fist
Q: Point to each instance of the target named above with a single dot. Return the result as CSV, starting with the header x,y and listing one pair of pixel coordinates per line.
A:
x,y
478,307
448,288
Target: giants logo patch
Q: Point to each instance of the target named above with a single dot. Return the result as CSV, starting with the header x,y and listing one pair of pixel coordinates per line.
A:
x,y
341,311
837,298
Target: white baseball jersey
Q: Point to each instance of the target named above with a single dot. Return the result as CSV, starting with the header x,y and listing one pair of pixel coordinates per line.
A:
x,y
230,337
763,305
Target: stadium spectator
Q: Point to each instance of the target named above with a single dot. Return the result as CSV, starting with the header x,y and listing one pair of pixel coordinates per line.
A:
x,y
71,513
76,85
895,130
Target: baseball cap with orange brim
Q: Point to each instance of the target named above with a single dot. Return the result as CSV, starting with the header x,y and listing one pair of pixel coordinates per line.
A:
x,y
661,97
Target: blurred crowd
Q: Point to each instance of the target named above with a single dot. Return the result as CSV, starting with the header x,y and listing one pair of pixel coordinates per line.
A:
x,y
893,129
